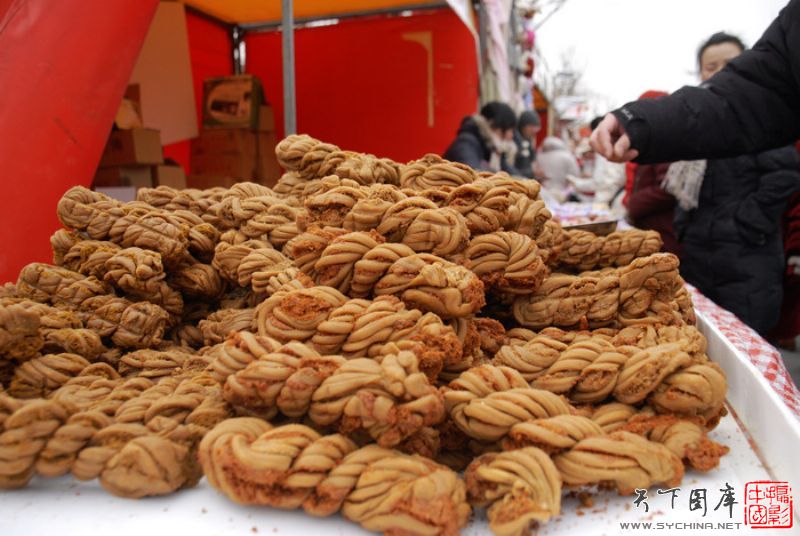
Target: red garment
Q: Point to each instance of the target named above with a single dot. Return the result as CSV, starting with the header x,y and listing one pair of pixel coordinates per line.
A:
x,y
630,175
789,324
630,167
791,233
653,94
651,207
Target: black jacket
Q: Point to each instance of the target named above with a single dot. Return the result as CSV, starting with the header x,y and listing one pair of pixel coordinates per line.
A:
x,y
473,147
751,105
731,247
526,156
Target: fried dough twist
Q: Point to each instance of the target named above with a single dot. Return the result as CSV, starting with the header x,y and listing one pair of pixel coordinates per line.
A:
x,y
292,466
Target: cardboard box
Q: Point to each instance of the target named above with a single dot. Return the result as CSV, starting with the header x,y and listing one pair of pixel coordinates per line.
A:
x,y
266,118
204,182
136,176
268,171
135,146
172,176
120,193
232,102
241,154
225,152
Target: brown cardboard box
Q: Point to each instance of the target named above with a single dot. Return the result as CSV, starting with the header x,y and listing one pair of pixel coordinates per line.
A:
x,y
172,176
136,176
225,152
266,118
268,170
125,194
231,101
204,182
135,146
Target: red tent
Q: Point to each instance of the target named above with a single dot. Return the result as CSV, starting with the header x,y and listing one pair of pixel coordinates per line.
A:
x,y
381,76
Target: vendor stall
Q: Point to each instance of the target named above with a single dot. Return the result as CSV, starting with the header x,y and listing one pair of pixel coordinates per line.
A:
x,y
412,85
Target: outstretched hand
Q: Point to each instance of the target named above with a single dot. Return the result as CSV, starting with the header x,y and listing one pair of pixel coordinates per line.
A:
x,y
610,141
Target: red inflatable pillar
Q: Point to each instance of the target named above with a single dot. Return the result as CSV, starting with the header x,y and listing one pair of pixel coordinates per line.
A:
x,y
64,67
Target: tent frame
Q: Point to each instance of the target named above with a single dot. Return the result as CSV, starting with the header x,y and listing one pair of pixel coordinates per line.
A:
x,y
287,28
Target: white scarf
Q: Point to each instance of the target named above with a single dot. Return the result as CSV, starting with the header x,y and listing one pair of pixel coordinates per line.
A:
x,y
498,146
684,181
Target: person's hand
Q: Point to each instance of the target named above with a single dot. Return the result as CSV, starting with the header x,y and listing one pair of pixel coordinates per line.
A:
x,y
610,140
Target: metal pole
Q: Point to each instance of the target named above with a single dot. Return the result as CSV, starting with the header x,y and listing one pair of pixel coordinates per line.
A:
x,y
270,26
483,44
289,101
237,46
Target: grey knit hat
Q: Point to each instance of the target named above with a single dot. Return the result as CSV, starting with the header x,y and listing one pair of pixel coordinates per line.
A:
x,y
529,117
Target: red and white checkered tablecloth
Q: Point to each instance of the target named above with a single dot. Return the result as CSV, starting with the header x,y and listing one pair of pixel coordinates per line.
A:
x,y
762,354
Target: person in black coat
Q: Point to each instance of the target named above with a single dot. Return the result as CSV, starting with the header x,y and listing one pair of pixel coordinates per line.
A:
x,y
728,216
525,137
485,141
751,105
731,244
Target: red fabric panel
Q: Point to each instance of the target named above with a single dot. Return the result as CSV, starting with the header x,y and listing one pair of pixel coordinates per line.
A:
x,y
211,55
5,5
364,87
210,51
180,152
545,121
63,70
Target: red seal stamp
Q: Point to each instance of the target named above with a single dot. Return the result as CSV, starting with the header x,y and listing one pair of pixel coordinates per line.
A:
x,y
768,505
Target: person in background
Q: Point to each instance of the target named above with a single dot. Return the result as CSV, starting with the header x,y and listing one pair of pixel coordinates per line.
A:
x,y
648,205
528,128
485,141
554,162
729,213
608,177
585,155
582,187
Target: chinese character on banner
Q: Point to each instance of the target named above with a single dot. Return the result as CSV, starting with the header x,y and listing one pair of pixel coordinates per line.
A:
x,y
768,504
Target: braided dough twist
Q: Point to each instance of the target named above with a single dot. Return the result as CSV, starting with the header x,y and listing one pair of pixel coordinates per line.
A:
x,y
599,298
293,466
583,250
391,399
486,401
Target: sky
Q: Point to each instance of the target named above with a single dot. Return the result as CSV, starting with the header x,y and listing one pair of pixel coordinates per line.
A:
x,y
625,47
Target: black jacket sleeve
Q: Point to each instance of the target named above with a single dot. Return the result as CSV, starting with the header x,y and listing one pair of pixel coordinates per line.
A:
x,y
761,211
467,150
751,105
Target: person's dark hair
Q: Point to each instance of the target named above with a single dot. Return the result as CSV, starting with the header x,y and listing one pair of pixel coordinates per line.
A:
x,y
500,115
595,122
528,117
717,39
